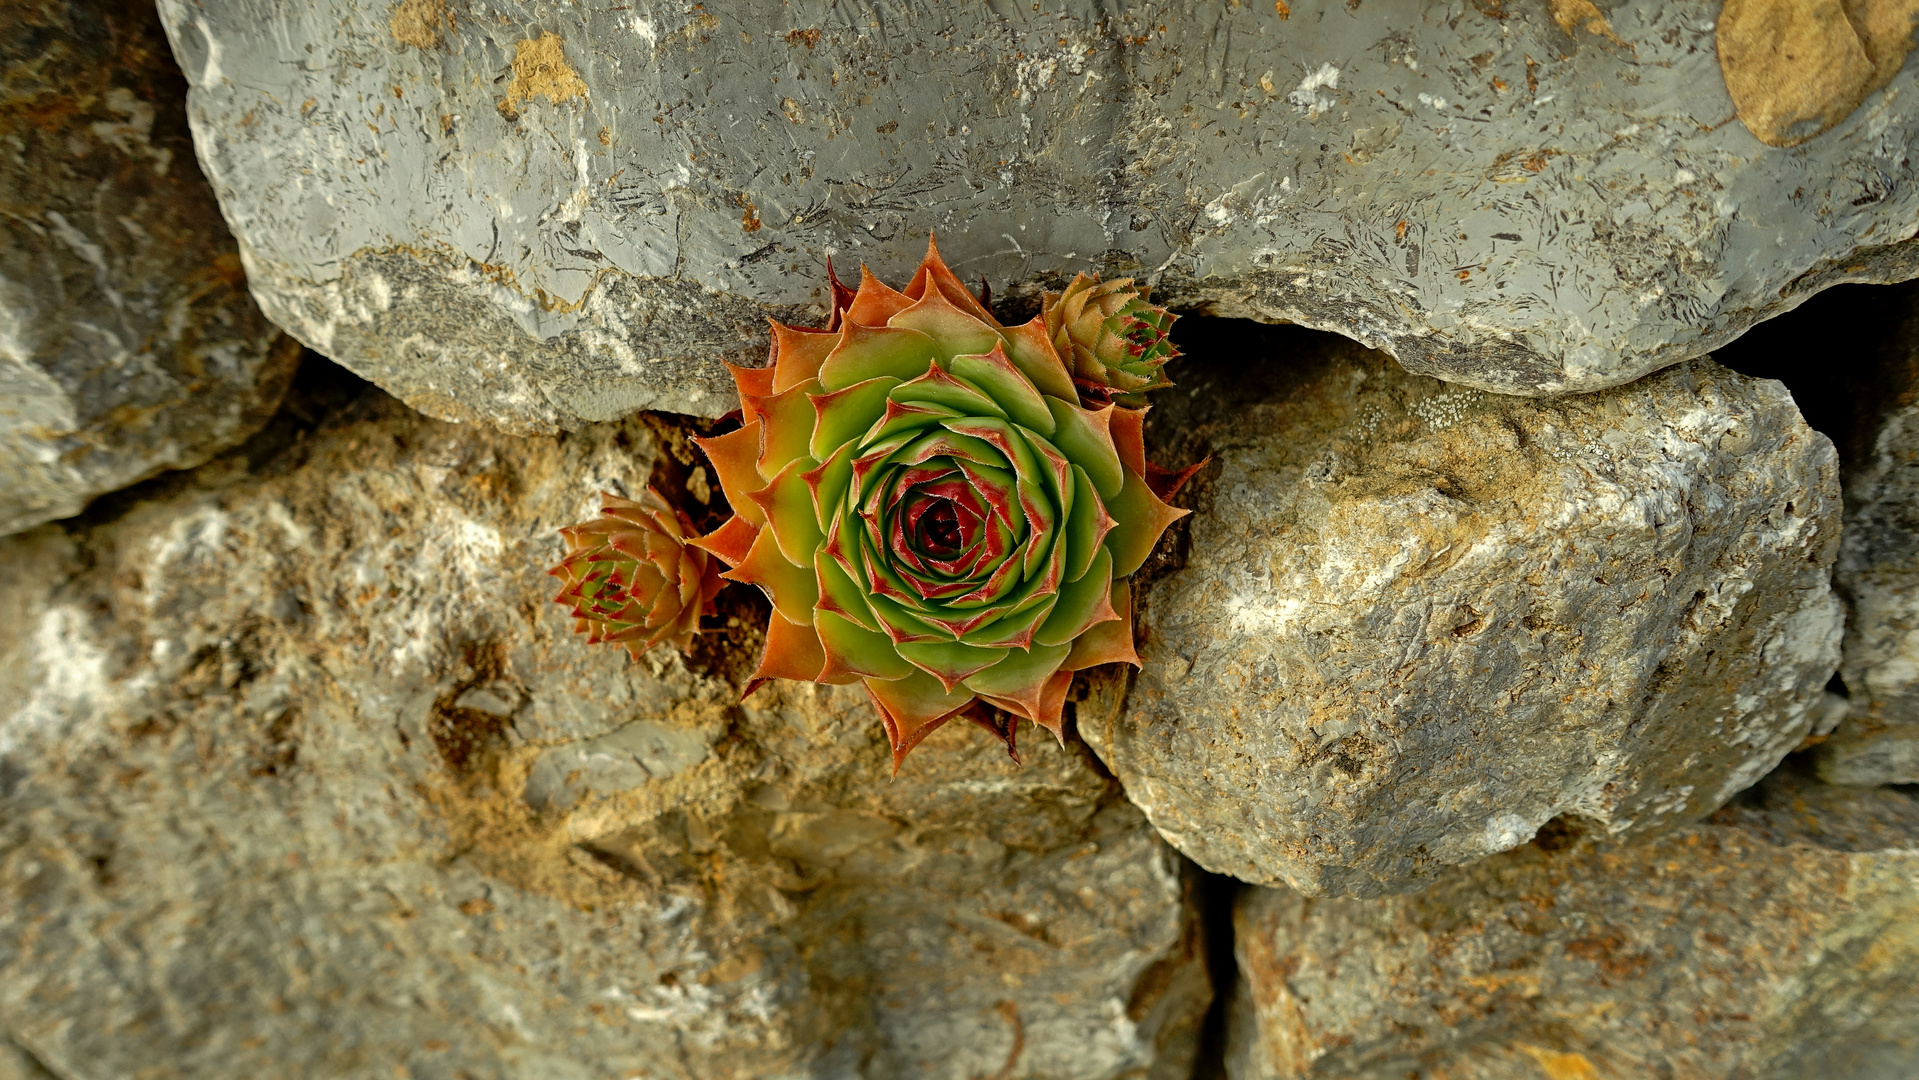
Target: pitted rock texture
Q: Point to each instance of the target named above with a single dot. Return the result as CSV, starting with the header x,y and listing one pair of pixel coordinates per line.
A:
x,y
1415,623
1774,941
1878,569
128,344
544,213
302,773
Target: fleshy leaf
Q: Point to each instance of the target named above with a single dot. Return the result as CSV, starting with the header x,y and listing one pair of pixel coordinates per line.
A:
x,y
797,355
793,589
1141,517
938,387
1011,390
1027,346
951,662
933,275
841,416
751,383
853,650
1086,439
952,330
875,303
871,352
1087,524
1082,604
912,708
792,651
735,456
787,419
787,503
1021,675
1108,642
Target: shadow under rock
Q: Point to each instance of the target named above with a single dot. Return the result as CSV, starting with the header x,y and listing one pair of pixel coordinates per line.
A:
x,y
1846,355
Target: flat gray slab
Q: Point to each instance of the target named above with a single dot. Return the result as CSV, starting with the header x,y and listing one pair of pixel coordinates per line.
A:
x,y
1415,623
537,214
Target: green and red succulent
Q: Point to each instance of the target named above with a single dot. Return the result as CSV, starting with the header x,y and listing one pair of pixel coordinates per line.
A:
x,y
1112,339
930,507
631,577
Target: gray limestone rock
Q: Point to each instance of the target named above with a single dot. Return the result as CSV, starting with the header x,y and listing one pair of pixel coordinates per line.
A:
x,y
541,213
1878,568
302,773
128,344
1418,622
1774,941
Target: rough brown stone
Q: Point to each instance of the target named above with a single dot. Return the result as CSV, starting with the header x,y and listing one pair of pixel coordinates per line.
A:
x,y
303,774
1796,69
1415,623
1774,941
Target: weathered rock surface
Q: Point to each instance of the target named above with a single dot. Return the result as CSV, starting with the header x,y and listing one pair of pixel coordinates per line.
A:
x,y
1775,941
550,213
302,773
128,344
1418,622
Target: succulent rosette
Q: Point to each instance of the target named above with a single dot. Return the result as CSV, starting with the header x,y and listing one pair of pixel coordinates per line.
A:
x,y
931,510
1115,342
632,578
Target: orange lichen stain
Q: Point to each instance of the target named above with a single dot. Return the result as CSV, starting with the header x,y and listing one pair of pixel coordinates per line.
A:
x,y
418,22
540,70
1284,11
1399,230
808,38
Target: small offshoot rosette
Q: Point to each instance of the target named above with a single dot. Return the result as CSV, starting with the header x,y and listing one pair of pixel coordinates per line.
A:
x,y
932,511
1112,339
631,577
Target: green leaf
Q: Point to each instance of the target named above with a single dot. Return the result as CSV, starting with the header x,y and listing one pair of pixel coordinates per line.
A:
x,y
829,484
1019,673
952,330
1088,444
938,387
850,648
788,502
903,622
1007,386
1014,625
793,589
869,352
844,415
1082,525
1139,517
842,595
788,426
1081,603
950,661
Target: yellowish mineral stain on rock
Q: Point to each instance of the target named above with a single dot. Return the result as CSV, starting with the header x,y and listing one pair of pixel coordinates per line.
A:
x,y
418,22
540,69
1570,15
1796,68
1558,1066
